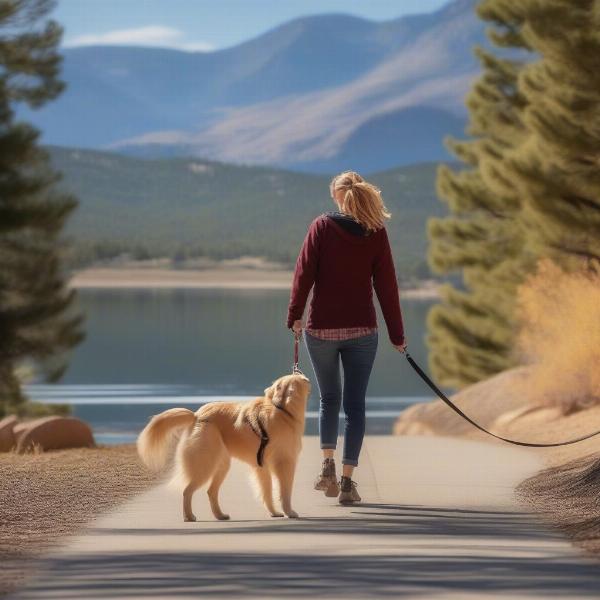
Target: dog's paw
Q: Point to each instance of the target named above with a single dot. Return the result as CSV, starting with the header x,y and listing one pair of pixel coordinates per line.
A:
x,y
222,517
189,519
276,514
292,514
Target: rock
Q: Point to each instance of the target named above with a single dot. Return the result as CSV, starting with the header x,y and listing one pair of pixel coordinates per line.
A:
x,y
415,428
534,415
7,433
412,420
19,429
53,433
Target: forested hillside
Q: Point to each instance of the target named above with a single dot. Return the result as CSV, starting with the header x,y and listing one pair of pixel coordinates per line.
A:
x,y
190,207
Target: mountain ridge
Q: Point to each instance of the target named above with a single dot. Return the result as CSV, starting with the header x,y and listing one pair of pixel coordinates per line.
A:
x,y
290,96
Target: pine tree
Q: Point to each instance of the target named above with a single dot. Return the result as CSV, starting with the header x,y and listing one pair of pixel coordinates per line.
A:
x,y
558,168
38,325
471,331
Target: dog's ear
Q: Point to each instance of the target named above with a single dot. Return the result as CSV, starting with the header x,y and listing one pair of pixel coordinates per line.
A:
x,y
281,390
269,391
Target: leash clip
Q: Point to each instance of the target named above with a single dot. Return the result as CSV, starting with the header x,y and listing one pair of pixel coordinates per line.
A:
x,y
296,370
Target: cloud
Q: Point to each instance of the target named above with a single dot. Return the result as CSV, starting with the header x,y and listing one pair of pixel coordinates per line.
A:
x,y
151,35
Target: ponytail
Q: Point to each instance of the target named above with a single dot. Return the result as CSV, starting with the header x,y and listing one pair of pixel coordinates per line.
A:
x,y
362,200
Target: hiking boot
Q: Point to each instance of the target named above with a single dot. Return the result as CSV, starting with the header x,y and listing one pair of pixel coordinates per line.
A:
x,y
327,480
349,493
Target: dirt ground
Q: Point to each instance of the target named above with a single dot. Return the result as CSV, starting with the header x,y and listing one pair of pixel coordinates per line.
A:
x,y
46,497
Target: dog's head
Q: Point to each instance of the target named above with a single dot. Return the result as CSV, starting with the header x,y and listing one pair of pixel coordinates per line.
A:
x,y
289,389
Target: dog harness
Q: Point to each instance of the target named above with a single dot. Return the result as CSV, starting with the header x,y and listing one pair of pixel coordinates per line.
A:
x,y
260,431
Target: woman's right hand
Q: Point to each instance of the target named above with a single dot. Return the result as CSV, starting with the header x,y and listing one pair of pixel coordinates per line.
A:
x,y
400,347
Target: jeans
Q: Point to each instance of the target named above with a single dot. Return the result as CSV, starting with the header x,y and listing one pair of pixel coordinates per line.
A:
x,y
357,357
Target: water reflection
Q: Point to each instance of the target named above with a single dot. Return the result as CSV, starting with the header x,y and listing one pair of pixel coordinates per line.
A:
x,y
227,341
149,349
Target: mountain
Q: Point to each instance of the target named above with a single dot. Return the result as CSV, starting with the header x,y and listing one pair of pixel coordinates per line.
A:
x,y
392,139
316,94
178,206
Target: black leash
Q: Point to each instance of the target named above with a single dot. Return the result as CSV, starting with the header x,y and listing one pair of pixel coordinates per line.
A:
x,y
459,412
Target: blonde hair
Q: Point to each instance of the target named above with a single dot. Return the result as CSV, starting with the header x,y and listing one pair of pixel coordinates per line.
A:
x,y
362,200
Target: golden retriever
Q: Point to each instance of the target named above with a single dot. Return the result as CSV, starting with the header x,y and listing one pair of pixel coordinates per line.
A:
x,y
221,430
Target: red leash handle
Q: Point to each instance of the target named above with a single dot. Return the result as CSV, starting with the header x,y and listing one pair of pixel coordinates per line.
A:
x,y
295,367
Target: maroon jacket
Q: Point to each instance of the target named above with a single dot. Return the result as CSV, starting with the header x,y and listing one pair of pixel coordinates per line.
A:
x,y
344,269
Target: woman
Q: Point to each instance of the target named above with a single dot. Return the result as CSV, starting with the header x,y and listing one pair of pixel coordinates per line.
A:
x,y
345,255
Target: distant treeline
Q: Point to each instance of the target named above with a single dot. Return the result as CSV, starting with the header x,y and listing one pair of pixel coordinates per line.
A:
x,y
81,254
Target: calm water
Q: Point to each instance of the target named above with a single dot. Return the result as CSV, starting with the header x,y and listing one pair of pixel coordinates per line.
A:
x,y
147,350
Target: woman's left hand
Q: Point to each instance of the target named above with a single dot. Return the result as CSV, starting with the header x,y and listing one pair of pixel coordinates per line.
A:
x,y
297,327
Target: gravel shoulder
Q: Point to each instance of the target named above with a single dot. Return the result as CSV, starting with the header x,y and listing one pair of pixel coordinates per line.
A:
x,y
44,498
566,496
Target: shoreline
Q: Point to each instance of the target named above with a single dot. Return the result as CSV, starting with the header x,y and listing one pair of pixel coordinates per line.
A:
x,y
211,278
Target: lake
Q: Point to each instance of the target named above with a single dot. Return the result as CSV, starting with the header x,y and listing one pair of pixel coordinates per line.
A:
x,y
150,349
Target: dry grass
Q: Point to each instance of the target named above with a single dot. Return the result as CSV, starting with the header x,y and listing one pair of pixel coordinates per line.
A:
x,y
45,497
568,498
560,336
559,314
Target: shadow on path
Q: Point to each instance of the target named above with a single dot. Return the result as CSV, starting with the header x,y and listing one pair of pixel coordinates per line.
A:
x,y
279,576
373,519
508,563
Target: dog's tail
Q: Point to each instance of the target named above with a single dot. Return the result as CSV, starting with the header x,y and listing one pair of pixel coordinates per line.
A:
x,y
153,442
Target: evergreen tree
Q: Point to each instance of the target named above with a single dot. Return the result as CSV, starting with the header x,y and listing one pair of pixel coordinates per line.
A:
x,y
38,324
471,331
558,168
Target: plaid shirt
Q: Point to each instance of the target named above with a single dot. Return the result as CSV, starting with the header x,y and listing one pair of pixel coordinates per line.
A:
x,y
346,333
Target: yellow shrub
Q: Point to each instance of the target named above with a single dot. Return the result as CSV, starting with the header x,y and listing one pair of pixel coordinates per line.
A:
x,y
559,317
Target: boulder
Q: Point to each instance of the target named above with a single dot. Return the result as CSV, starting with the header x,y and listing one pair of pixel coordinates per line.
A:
x,y
485,402
533,414
53,433
19,429
7,433
510,406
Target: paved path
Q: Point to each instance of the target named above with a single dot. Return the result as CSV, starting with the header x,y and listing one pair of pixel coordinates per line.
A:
x,y
439,520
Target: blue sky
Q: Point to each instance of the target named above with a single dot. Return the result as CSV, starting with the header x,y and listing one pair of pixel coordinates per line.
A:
x,y
205,24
